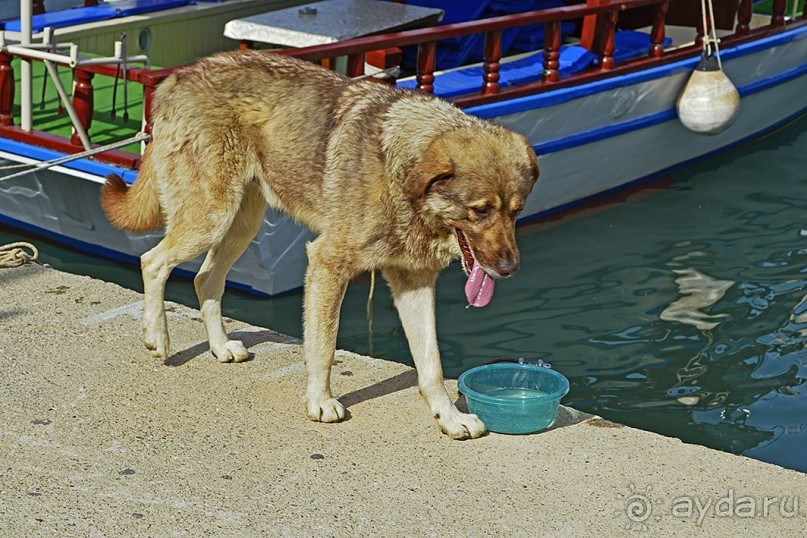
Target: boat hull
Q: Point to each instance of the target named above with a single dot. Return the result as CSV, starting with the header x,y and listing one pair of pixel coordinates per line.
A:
x,y
591,140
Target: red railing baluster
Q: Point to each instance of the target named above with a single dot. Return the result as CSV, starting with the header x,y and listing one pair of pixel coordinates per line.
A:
x,y
492,55
608,29
355,65
744,17
425,66
551,52
37,7
90,3
150,80
83,102
701,31
657,34
148,99
6,90
779,8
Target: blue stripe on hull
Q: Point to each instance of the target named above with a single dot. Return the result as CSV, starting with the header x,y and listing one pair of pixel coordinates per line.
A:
x,y
82,165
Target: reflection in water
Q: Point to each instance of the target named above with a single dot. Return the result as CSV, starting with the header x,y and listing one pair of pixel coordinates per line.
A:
x,y
799,316
698,291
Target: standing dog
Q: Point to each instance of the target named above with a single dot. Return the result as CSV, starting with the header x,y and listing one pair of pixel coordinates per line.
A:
x,y
395,180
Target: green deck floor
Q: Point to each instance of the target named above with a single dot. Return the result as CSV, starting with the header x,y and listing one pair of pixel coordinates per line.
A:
x,y
766,7
104,128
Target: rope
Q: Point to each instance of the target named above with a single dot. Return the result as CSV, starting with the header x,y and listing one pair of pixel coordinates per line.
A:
x,y
710,37
139,137
370,313
14,254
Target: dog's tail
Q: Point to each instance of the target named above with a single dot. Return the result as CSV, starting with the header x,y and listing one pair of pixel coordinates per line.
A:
x,y
135,208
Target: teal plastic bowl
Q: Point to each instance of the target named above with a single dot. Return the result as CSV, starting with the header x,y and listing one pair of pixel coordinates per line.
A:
x,y
513,398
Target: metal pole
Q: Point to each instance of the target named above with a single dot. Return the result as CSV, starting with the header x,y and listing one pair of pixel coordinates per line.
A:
x,y
26,12
68,105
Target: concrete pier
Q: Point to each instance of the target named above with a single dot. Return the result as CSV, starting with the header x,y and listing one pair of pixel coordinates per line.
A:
x,y
98,439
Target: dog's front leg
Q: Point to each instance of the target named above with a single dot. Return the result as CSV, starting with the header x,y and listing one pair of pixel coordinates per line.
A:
x,y
325,285
414,297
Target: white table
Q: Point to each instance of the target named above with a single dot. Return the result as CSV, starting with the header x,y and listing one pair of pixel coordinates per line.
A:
x,y
330,21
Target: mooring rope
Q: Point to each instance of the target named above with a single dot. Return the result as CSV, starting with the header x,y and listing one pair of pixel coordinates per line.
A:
x,y
139,137
14,254
710,37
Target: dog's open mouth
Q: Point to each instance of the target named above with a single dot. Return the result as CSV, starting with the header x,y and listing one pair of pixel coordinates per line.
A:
x,y
479,287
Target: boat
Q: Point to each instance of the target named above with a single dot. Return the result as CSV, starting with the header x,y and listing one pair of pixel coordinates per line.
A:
x,y
593,85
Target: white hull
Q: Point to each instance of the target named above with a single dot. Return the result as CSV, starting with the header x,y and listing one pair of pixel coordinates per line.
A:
x,y
590,140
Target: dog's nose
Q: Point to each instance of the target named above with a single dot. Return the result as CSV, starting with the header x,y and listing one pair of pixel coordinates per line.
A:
x,y
507,266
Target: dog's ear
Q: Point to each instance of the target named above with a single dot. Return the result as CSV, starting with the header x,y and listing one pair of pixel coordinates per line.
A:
x,y
534,163
533,160
436,165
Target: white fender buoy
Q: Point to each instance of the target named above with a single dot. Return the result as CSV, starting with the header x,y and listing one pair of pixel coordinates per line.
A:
x,y
709,103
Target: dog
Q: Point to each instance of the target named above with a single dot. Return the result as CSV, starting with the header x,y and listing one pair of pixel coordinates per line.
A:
x,y
395,180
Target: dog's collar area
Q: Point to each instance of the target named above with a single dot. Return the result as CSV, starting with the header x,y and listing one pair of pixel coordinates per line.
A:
x,y
467,254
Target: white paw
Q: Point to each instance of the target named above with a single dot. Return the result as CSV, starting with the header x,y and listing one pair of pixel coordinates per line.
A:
x,y
329,410
230,351
460,425
157,343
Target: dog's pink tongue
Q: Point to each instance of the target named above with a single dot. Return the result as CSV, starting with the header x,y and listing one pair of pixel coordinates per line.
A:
x,y
479,287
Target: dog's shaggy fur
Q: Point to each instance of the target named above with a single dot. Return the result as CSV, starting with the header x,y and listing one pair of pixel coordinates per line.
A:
x,y
390,180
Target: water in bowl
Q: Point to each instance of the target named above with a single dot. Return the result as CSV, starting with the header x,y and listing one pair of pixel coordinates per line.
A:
x,y
516,394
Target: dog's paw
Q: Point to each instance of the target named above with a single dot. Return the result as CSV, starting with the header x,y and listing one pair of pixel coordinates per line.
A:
x,y
459,425
157,344
230,351
329,410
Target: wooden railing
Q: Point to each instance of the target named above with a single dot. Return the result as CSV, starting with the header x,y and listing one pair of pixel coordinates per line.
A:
x,y
83,102
604,13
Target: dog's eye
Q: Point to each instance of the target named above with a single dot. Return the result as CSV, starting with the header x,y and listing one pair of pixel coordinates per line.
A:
x,y
481,212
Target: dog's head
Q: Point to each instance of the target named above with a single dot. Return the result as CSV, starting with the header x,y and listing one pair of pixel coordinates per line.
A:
x,y
473,182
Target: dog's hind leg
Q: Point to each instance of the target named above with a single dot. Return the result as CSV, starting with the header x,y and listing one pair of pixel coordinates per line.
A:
x,y
326,280
414,298
156,265
188,234
209,282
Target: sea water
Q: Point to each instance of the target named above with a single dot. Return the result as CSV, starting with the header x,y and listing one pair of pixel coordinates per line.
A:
x,y
679,308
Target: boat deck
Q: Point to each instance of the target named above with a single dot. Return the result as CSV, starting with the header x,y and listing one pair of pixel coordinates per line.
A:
x,y
104,128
